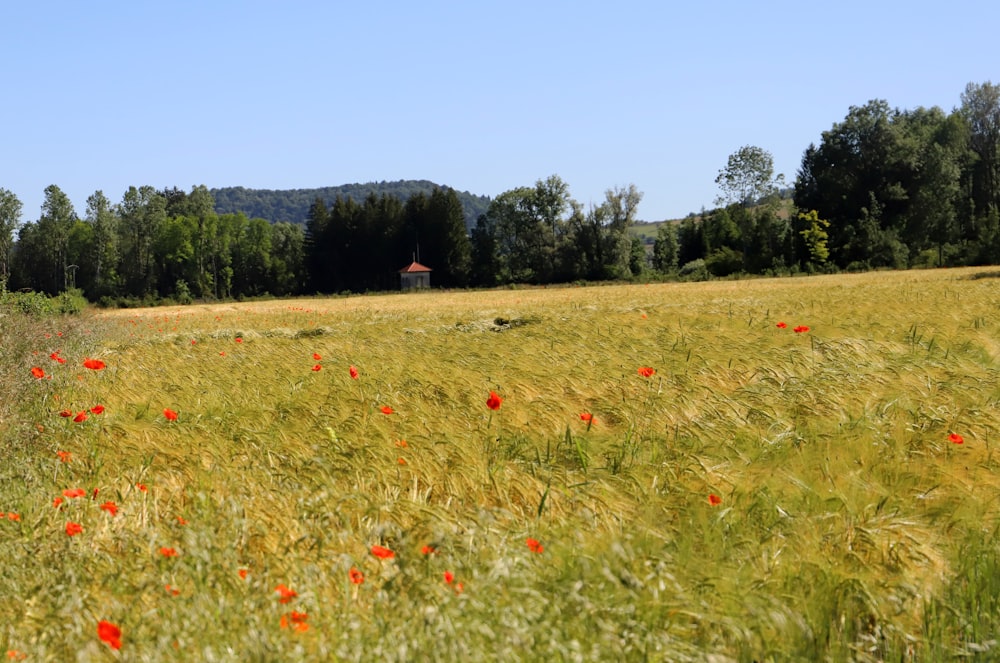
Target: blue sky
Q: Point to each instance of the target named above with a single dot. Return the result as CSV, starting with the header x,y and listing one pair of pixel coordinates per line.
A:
x,y
481,96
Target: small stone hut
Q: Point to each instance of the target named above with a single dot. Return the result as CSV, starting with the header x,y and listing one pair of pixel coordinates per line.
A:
x,y
414,275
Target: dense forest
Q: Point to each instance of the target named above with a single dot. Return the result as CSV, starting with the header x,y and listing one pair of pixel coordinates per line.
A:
x,y
883,188
293,205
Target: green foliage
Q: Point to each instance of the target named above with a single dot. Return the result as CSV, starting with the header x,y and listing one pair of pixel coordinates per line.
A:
x,y
815,236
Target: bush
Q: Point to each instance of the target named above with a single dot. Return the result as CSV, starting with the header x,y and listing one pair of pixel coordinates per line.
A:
x,y
71,302
694,271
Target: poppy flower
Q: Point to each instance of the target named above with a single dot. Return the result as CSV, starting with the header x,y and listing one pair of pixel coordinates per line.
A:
x,y
66,413
534,545
110,507
72,529
387,410
65,456
782,325
286,593
239,339
382,553
646,371
168,552
801,329
714,499
16,517
243,573
955,438
222,354
449,577
81,416
173,591
317,356
297,620
141,486
74,492
401,461
181,521
97,409
586,416
37,372
16,655
169,414
494,401
94,364
110,634
57,502
357,577
354,373
402,444
317,367
428,550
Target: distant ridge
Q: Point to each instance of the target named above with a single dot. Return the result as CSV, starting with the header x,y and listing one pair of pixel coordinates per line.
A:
x,y
293,205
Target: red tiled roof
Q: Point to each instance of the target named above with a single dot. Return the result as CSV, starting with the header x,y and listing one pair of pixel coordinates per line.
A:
x,y
414,267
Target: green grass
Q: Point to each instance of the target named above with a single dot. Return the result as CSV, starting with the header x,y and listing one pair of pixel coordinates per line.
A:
x,y
850,528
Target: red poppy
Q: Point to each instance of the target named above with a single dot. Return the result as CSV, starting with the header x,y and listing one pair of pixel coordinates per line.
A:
x,y
110,507
168,552
57,502
13,516
141,486
317,356
243,573
94,364
181,521
387,410
169,414
646,371
782,325
534,545
402,444
494,401
354,373
401,461
297,620
65,456
110,634
66,413
37,372
382,553
239,339
714,499
428,550
72,529
286,593
74,492
81,416
172,590
955,438
449,577
801,329
317,367
97,409
586,416
222,354
357,577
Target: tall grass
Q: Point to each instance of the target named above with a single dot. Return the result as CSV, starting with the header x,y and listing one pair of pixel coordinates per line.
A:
x,y
849,528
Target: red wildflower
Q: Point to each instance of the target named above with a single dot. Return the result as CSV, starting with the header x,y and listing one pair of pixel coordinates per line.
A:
x,y
65,456
173,591
81,416
402,444
354,373
955,438
13,516
239,339
16,655
317,367
534,545
801,329
646,371
141,486
401,461
181,521
66,413
243,573
428,550
110,634
57,502
297,620
586,416
37,372
382,553
94,364
449,577
387,410
494,401
286,593
714,499
222,354
72,529
357,577
168,552
317,356
97,409
782,325
169,414
74,492
110,507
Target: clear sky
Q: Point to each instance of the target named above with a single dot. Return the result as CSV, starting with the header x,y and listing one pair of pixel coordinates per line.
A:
x,y
482,96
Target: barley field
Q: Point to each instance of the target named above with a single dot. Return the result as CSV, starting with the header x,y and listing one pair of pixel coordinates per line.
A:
x,y
761,470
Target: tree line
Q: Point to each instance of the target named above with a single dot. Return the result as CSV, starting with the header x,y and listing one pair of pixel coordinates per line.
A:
x,y
884,188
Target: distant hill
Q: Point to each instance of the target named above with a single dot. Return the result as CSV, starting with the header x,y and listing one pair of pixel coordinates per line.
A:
x,y
293,205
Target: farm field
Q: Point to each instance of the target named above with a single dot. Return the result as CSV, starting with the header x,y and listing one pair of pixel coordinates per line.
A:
x,y
759,470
